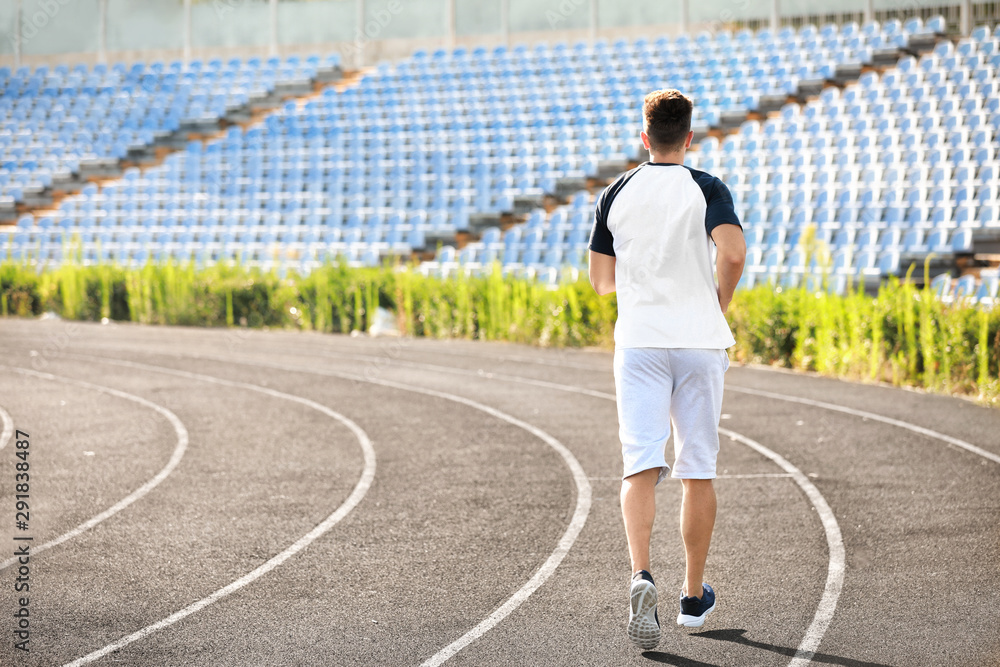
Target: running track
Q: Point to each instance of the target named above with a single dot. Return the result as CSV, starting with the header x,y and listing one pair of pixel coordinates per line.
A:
x,y
211,497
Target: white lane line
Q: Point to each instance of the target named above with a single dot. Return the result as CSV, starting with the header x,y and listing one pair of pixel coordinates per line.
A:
x,y
468,355
743,390
756,475
835,543
870,415
175,458
486,375
8,427
577,521
583,500
835,570
360,489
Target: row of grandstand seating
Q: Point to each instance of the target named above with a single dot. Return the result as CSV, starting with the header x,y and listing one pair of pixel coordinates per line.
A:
x,y
26,90
524,125
893,167
890,194
986,290
844,268
904,191
913,242
52,119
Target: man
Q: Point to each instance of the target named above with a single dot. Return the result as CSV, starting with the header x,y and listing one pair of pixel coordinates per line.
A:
x,y
651,243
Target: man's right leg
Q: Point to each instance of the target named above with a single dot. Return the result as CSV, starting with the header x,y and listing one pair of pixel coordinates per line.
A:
x,y
697,523
638,511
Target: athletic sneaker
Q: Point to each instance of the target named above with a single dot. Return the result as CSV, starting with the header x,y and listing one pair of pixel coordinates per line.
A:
x,y
643,621
694,610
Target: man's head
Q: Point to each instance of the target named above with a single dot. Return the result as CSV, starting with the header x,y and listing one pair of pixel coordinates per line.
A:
x,y
666,121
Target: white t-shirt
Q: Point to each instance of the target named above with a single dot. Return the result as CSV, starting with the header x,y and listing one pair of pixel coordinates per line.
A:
x,y
656,220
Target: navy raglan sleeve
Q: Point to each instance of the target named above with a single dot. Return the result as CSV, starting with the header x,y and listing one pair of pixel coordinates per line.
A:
x,y
601,239
720,210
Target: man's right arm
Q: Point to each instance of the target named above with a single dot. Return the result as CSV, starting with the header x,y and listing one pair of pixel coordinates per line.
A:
x,y
732,252
602,272
602,249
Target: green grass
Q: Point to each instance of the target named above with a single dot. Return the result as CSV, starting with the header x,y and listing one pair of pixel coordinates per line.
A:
x,y
904,335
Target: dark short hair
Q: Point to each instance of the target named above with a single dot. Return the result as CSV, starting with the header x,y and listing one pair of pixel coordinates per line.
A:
x,y
667,115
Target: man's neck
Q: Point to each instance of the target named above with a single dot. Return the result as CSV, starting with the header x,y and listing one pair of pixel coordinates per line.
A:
x,y
676,157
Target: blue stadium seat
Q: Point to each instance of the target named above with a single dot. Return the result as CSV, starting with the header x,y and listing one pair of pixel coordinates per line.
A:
x,y
989,287
941,285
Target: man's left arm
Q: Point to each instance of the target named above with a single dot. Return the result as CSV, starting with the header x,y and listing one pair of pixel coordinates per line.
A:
x,y
724,227
732,252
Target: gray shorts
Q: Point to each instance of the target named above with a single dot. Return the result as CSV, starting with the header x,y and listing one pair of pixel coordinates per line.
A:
x,y
660,389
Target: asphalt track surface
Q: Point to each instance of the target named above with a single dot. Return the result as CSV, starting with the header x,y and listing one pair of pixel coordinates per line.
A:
x,y
213,497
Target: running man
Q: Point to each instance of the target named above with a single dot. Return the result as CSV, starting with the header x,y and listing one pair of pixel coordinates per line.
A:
x,y
651,243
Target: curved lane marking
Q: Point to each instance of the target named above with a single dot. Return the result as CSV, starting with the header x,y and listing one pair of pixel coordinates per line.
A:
x,y
870,415
742,390
175,458
485,375
360,489
835,544
835,569
8,427
580,513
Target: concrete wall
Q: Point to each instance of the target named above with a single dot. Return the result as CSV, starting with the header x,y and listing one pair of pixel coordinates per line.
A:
x,y
55,31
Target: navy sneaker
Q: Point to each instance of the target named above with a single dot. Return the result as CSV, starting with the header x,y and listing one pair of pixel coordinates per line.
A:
x,y
643,621
695,610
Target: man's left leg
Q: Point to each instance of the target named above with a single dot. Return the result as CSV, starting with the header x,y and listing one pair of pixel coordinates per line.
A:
x,y
643,387
696,410
697,524
638,511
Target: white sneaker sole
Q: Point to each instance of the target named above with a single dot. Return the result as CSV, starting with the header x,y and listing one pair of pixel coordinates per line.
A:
x,y
643,630
694,621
